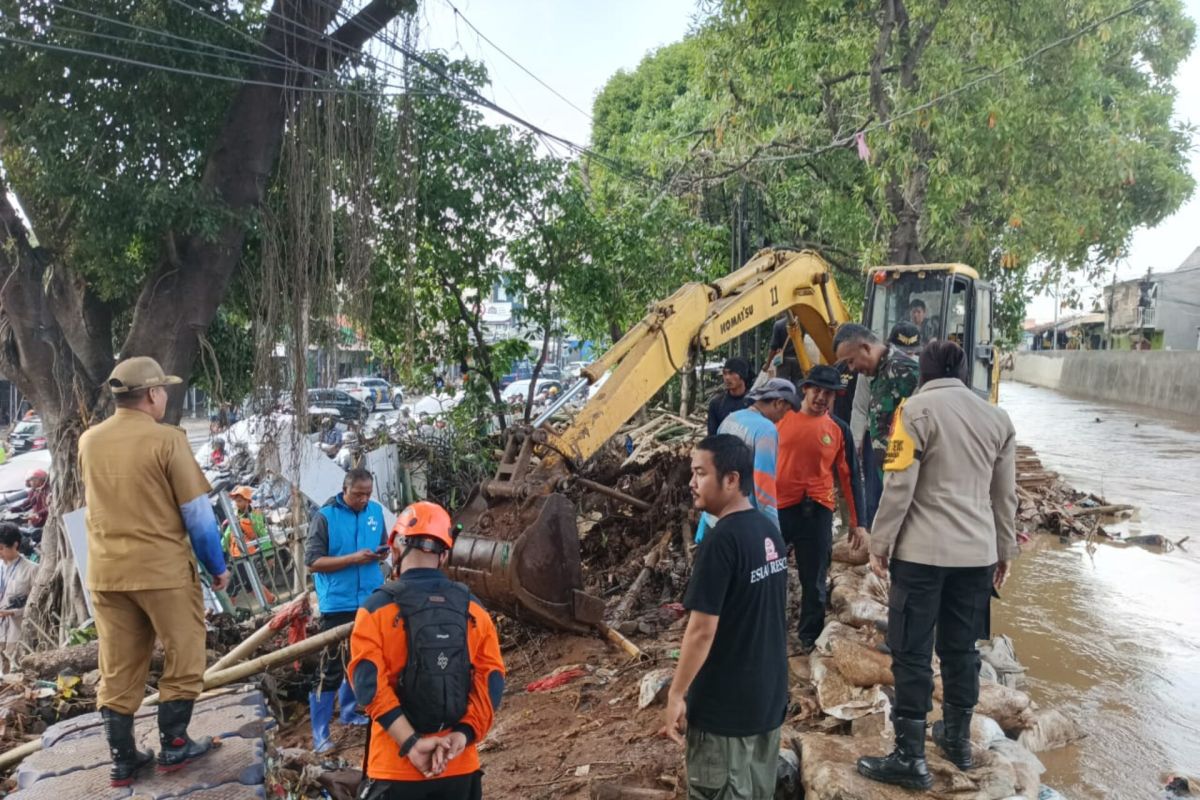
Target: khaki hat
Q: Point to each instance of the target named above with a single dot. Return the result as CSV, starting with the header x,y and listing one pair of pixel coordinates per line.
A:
x,y
140,372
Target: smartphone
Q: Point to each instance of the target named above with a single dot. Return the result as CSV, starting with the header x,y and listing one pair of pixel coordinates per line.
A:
x,y
382,551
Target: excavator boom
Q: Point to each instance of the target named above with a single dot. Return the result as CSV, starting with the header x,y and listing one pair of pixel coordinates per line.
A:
x,y
520,547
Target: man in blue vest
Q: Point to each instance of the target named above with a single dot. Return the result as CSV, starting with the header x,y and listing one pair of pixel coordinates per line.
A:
x,y
347,540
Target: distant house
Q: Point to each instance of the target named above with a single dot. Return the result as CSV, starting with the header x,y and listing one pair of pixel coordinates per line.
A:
x,y
1080,332
1160,311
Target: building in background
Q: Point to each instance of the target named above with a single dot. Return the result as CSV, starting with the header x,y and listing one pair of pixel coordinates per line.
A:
x,y
1159,311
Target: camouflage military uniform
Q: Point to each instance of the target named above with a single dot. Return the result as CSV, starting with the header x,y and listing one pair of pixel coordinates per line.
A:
x,y
895,379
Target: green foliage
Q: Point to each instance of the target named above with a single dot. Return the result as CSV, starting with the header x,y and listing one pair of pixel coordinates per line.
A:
x,y
1051,165
106,156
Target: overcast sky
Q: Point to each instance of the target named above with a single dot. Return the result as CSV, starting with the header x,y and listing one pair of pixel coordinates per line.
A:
x,y
576,46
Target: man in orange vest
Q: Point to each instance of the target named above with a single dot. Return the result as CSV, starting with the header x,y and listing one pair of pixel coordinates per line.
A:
x,y
426,667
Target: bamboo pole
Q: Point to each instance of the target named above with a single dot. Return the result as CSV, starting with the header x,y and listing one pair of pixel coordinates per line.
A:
x,y
14,756
276,657
620,641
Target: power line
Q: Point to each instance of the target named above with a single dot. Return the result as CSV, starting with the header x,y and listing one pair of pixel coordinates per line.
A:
x,y
473,95
238,55
185,71
519,65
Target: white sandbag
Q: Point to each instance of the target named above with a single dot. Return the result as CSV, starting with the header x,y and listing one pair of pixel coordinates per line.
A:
x,y
1049,730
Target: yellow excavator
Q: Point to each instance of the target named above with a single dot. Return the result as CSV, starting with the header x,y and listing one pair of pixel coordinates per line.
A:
x,y
519,548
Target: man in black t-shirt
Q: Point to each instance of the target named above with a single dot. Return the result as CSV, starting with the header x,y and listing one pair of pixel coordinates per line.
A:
x,y
736,377
729,691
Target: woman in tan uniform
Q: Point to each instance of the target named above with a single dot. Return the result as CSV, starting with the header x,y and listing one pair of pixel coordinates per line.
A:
x,y
946,530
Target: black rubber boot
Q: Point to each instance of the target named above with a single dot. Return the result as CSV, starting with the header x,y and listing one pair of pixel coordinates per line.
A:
x,y
178,749
906,765
952,735
127,759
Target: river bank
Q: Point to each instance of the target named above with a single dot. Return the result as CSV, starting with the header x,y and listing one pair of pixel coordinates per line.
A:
x,y
1111,633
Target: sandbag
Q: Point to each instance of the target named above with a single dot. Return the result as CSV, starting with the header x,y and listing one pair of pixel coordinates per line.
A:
x,y
985,730
827,770
843,554
839,698
1049,730
861,665
1011,708
1000,655
1026,765
862,612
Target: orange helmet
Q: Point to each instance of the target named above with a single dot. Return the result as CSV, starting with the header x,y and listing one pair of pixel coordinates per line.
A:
x,y
424,520
244,492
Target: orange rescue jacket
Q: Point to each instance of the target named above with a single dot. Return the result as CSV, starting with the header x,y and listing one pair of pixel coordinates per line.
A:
x,y
378,653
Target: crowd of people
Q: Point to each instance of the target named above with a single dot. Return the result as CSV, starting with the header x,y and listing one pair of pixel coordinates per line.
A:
x,y
929,488
422,668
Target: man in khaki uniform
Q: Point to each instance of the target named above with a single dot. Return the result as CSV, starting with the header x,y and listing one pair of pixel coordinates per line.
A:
x,y
147,510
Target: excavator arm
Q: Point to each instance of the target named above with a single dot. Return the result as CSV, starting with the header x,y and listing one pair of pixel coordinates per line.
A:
x,y
520,547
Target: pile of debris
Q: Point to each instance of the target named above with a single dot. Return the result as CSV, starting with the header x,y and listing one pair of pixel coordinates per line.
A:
x,y
1047,505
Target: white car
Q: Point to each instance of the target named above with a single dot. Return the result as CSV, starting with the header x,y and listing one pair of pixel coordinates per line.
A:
x,y
373,392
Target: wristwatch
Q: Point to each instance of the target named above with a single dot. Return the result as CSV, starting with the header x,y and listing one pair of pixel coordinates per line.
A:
x,y
409,743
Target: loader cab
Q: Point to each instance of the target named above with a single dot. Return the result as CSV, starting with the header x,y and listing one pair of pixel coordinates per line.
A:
x,y
945,301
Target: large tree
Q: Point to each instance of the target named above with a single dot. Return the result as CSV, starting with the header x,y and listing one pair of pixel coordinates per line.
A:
x,y
1005,135
141,186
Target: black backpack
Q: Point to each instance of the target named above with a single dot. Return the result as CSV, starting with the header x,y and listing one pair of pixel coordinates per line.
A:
x,y
436,680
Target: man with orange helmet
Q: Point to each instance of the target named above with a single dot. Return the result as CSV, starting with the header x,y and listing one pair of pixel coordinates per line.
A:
x,y
426,667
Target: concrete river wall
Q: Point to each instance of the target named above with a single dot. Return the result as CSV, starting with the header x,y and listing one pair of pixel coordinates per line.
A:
x,y
1164,380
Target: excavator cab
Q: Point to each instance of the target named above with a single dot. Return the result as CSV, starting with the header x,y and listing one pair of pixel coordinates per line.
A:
x,y
944,301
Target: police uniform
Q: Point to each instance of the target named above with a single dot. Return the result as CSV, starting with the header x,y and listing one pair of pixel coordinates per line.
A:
x,y
947,515
895,379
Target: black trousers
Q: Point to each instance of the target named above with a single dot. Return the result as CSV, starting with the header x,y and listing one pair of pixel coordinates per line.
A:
x,y
956,603
460,787
807,528
334,658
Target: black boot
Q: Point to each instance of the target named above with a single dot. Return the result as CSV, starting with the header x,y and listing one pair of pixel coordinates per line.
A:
x,y
906,765
952,735
177,748
127,759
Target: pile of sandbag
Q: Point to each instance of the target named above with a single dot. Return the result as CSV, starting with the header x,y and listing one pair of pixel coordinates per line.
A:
x,y
851,675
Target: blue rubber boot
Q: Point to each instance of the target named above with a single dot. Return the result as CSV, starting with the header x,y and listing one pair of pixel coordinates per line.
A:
x,y
320,710
348,706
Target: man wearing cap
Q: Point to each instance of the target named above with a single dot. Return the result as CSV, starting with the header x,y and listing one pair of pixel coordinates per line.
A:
x,y
255,535
147,502
756,427
429,709
893,375
36,505
736,375
814,445
347,540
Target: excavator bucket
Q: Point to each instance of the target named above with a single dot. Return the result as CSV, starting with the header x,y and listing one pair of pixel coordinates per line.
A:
x,y
522,557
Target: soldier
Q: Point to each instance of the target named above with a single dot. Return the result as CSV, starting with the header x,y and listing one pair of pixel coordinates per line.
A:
x,y
893,378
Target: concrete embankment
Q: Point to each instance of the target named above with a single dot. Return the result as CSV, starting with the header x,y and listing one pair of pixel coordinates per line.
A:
x,y
1164,380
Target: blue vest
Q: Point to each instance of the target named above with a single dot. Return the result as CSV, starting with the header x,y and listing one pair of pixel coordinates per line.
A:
x,y
349,532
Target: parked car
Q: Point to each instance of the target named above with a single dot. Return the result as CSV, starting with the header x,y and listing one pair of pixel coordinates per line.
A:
x,y
523,370
337,403
373,392
27,435
574,368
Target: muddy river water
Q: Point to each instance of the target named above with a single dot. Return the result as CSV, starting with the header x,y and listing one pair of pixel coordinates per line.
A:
x,y
1112,636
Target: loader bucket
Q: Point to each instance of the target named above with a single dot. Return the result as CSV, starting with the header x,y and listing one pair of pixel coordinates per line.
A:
x,y
522,558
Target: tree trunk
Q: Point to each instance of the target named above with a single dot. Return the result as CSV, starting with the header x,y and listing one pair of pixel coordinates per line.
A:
x,y
56,337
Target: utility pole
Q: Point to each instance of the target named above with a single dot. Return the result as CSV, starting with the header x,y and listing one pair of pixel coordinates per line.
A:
x,y
1054,330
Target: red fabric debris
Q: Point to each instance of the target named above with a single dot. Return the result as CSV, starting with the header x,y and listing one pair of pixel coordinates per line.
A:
x,y
554,681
